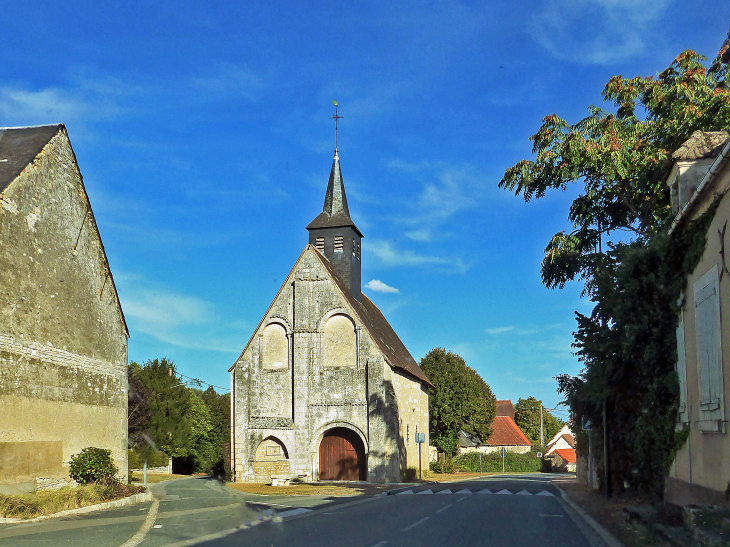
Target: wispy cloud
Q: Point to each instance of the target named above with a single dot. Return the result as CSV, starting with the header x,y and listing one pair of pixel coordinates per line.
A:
x,y
378,286
597,31
177,319
390,257
500,330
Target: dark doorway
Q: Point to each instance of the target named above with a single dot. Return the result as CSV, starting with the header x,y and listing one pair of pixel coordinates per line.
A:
x,y
341,456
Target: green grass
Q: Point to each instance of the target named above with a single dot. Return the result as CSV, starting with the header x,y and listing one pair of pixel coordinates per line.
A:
x,y
36,504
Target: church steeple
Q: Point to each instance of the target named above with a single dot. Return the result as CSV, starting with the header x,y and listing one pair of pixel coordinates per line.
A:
x,y
334,233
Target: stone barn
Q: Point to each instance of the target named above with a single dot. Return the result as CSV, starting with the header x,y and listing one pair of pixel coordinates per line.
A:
x,y
325,389
63,338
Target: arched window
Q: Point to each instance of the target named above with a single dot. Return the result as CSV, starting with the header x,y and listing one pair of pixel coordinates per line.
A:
x,y
339,342
274,347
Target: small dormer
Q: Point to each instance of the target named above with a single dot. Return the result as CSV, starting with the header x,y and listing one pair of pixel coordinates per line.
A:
x,y
691,162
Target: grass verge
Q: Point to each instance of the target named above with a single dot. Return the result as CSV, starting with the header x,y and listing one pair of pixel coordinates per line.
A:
x,y
36,504
137,477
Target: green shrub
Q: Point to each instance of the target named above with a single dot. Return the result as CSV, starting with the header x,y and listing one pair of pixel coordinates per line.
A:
x,y
410,474
492,463
156,459
93,465
445,465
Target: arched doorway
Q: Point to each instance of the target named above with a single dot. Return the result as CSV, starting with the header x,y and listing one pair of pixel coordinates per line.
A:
x,y
341,456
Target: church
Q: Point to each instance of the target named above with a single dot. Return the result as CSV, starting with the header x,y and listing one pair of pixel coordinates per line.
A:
x,y
325,389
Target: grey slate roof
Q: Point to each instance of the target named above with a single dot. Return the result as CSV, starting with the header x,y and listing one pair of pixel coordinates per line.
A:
x,y
702,144
19,146
335,212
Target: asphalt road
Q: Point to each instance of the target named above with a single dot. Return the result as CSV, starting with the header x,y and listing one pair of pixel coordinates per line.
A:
x,y
501,511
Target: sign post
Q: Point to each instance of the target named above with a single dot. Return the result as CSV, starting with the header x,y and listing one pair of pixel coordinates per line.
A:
x,y
420,439
503,451
587,426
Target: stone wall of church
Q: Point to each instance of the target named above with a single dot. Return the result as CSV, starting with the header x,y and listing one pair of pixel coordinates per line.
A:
x,y
63,344
412,398
335,376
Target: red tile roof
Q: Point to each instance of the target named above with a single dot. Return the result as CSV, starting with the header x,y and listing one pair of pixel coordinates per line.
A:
x,y
568,454
506,433
505,408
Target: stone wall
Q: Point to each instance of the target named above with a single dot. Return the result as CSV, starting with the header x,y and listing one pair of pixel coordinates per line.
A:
x,y
329,381
63,342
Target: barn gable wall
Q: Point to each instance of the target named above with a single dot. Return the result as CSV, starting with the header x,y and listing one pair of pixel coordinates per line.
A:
x,y
63,341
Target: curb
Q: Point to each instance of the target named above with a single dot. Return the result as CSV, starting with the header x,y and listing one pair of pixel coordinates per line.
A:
x,y
604,534
131,500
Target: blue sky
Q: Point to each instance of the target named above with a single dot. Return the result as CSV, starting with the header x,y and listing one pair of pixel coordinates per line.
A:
x,y
203,134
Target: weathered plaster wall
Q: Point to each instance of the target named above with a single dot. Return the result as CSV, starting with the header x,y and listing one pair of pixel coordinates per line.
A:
x,y
702,464
63,343
330,381
412,401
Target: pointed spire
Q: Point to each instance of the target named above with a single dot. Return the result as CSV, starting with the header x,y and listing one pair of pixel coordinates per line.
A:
x,y
335,212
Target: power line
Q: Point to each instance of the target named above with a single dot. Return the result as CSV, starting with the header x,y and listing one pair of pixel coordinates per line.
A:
x,y
197,381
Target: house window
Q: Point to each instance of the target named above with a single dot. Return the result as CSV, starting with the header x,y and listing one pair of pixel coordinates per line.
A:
x,y
709,350
339,243
683,416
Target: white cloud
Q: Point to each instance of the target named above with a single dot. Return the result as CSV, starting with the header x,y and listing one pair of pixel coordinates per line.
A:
x,y
177,319
390,257
597,31
500,330
378,286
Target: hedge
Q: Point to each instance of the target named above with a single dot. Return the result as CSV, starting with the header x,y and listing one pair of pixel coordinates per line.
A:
x,y
491,463
135,461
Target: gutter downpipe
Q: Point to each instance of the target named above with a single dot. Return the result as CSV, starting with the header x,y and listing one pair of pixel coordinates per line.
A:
x,y
706,180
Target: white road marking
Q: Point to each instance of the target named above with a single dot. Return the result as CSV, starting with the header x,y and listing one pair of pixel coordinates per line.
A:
x,y
504,491
559,516
137,538
297,511
403,493
464,491
544,493
429,491
485,491
460,499
523,493
447,491
424,519
445,507
380,544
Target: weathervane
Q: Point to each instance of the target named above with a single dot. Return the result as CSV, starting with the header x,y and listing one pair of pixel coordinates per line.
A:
x,y
335,117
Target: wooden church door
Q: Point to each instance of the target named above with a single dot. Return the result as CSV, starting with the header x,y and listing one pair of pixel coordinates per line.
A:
x,y
338,458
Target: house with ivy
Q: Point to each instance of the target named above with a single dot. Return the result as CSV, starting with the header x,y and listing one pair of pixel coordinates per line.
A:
x,y
699,182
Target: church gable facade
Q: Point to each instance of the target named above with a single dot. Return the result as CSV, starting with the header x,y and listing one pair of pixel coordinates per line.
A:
x,y
325,389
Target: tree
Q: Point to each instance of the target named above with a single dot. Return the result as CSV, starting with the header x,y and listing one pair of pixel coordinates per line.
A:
x,y
461,400
527,418
621,158
169,402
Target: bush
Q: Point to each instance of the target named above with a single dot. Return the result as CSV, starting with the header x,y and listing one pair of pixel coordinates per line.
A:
x,y
135,460
445,465
93,465
492,463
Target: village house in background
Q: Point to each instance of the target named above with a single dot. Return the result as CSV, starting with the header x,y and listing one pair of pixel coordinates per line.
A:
x,y
325,389
701,470
505,434
63,337
560,450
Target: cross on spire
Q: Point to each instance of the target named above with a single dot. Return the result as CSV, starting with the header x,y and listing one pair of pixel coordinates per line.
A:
x,y
335,117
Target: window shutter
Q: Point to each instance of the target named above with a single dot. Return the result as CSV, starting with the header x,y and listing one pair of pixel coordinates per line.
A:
x,y
707,333
681,368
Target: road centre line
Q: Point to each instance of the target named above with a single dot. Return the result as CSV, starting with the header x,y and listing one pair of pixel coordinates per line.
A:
x,y
460,499
137,538
445,507
380,543
424,519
